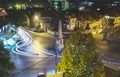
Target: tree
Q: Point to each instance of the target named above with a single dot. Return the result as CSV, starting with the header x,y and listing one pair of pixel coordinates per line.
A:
x,y
5,64
79,58
19,19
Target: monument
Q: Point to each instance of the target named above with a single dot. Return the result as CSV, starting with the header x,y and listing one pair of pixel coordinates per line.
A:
x,y
59,40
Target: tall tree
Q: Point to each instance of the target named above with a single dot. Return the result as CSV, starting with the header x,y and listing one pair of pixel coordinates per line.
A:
x,y
14,19
5,64
79,58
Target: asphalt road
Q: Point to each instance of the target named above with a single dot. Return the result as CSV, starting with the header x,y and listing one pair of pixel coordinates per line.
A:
x,y
110,53
30,66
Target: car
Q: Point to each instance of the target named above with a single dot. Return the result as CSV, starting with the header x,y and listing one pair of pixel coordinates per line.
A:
x,y
41,75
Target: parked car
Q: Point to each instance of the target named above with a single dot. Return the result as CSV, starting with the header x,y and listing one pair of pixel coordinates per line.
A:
x,y
41,75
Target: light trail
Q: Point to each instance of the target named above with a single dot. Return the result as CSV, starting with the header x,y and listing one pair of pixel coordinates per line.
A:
x,y
26,40
111,64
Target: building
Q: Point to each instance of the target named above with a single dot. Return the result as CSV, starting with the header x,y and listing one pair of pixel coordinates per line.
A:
x,y
96,27
72,23
117,21
59,4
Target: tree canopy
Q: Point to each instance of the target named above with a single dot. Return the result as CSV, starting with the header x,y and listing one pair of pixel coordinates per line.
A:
x,y
79,58
5,64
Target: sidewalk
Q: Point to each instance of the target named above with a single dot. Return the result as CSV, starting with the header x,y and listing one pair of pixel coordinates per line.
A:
x,y
55,75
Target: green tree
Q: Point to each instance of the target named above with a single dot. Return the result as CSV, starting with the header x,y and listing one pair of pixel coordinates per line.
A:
x,y
5,64
79,58
19,19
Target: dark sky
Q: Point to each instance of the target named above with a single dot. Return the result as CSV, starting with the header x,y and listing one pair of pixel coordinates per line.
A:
x,y
103,1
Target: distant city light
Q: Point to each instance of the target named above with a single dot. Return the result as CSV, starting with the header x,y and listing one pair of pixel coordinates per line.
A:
x,y
81,8
3,28
116,2
10,7
107,17
36,17
20,6
98,9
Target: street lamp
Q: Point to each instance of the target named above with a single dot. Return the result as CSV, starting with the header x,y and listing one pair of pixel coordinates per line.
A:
x,y
36,17
81,8
36,21
107,17
105,28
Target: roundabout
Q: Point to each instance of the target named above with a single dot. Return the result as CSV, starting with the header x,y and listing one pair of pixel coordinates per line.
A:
x,y
30,47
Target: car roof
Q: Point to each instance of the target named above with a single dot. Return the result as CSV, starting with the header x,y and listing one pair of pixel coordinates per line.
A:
x,y
41,73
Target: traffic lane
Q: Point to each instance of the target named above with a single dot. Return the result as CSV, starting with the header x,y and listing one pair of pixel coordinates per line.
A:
x,y
49,65
30,67
109,50
45,43
23,63
43,40
34,51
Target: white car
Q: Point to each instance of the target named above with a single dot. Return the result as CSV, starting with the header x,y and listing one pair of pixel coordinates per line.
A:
x,y
41,75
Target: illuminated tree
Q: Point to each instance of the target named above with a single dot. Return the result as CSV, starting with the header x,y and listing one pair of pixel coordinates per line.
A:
x,y
27,20
5,64
79,58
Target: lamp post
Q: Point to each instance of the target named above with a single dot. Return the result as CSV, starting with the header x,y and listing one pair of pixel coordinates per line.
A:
x,y
105,29
36,21
81,9
55,59
36,17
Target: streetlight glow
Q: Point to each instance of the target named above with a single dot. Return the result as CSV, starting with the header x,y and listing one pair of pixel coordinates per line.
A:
x,y
36,17
107,17
81,8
